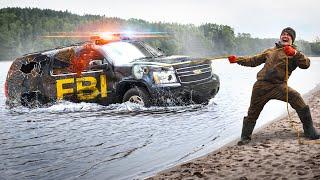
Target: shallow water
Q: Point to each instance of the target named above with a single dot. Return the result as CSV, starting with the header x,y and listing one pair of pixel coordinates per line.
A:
x,y
125,141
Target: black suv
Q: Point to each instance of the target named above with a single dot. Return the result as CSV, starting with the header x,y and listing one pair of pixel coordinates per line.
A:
x,y
107,72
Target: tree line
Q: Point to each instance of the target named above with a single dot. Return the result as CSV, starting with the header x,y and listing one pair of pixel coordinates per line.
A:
x,y
22,31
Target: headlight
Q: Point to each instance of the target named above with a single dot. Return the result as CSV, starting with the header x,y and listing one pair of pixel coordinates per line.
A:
x,y
164,77
138,71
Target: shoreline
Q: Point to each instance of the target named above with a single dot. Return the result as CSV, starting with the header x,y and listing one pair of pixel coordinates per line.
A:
x,y
274,152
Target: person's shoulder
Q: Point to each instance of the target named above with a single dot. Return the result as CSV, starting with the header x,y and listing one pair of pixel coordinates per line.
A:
x,y
277,46
294,46
269,49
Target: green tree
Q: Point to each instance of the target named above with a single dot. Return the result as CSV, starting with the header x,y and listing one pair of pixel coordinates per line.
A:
x,y
22,31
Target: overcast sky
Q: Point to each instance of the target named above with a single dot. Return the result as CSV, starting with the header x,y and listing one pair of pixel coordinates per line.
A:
x,y
263,19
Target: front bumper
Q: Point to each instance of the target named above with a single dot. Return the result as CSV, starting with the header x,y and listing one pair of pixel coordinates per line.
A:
x,y
186,93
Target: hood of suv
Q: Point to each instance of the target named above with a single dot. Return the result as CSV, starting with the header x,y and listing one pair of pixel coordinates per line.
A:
x,y
170,60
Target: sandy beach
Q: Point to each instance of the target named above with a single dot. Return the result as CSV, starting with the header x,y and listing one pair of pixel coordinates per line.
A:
x,y
273,153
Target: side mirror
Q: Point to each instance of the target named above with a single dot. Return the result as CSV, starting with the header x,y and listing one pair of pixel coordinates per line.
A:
x,y
97,64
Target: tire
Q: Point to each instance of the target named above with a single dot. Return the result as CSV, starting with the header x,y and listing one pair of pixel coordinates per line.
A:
x,y
201,100
138,95
32,100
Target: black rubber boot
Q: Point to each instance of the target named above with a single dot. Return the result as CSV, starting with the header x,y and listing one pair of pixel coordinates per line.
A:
x,y
305,117
247,129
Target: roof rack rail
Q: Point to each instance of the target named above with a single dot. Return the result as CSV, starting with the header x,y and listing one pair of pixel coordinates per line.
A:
x,y
56,48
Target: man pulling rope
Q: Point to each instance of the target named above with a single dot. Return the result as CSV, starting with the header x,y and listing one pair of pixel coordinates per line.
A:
x,y
272,83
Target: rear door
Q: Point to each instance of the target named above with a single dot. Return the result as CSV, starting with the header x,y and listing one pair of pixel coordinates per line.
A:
x,y
78,76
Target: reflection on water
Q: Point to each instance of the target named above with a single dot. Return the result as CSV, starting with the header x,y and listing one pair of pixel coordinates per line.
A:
x,y
68,140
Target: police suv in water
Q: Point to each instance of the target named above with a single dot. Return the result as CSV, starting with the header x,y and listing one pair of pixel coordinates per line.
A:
x,y
110,71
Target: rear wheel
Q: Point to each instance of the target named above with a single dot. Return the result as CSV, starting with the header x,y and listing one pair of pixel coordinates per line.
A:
x,y
138,95
33,99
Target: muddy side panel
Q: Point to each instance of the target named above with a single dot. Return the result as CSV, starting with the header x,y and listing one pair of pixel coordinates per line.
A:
x,y
26,76
15,79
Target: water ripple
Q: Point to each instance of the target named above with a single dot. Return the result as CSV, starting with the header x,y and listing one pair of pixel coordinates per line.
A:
x,y
89,141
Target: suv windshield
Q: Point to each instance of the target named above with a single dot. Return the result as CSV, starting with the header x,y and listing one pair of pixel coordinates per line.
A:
x,y
126,52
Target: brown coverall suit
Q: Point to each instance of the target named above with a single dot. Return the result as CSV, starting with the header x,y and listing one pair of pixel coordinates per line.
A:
x,y
271,84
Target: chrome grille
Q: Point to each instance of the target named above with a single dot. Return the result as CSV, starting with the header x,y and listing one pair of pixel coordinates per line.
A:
x,y
194,73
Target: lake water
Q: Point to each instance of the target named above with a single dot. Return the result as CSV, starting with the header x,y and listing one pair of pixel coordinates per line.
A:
x,y
126,141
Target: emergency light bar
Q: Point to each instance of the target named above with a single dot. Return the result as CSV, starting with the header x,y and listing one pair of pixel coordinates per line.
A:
x,y
100,38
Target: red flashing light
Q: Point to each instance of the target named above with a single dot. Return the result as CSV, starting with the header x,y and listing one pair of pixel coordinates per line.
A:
x,y
105,38
101,42
94,38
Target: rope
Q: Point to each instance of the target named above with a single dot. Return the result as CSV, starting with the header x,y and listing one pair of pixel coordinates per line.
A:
x,y
214,58
217,57
197,61
300,141
287,102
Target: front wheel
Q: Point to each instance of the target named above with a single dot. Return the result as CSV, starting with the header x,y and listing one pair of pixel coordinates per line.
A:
x,y
138,95
201,100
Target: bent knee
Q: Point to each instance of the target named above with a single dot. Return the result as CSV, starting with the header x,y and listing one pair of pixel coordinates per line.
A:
x,y
296,101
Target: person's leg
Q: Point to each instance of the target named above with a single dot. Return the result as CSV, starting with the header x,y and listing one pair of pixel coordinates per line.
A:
x,y
259,98
303,110
306,119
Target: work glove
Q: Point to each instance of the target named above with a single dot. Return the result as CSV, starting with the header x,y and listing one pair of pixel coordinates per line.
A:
x,y
289,50
232,59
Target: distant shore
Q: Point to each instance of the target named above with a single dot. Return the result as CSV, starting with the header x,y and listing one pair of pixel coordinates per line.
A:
x,y
273,153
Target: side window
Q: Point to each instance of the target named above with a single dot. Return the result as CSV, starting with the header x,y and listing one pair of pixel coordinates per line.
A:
x,y
69,61
62,61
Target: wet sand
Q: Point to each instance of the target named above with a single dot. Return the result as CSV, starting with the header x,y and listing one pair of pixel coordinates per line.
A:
x,y
273,153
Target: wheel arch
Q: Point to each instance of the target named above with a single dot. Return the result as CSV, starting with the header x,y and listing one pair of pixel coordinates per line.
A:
x,y
30,97
124,86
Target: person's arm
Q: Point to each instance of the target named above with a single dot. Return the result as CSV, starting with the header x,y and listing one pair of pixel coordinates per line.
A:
x,y
303,61
251,61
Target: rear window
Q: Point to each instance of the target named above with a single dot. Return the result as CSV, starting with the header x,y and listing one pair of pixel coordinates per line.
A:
x,y
62,61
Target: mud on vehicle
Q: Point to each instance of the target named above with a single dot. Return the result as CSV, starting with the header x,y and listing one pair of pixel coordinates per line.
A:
x,y
110,71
